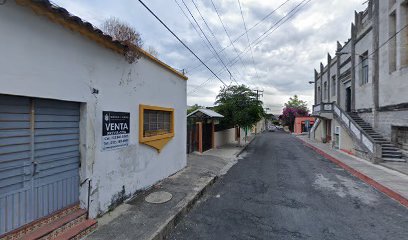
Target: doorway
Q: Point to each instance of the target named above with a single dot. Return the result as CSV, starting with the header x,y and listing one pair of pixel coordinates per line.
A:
x,y
348,99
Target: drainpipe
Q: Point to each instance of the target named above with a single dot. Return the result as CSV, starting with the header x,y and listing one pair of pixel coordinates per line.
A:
x,y
315,86
338,73
353,66
376,72
329,59
321,83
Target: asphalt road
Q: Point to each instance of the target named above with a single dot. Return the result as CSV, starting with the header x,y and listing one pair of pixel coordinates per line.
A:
x,y
283,190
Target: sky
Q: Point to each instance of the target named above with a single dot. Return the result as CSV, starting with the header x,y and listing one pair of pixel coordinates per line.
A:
x,y
278,54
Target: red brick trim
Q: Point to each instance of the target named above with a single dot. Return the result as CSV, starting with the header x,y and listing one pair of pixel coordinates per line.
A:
x,y
31,225
387,191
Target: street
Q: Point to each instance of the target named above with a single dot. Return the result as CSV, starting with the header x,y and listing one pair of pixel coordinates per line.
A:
x,y
281,189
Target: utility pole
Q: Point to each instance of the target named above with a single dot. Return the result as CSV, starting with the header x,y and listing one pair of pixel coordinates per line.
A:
x,y
259,93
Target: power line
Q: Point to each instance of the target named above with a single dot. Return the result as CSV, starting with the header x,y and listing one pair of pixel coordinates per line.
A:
x,y
249,29
215,51
287,16
384,43
246,31
292,12
228,35
209,29
195,28
192,24
181,41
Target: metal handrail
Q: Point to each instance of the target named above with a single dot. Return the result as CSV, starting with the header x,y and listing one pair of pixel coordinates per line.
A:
x,y
352,124
363,137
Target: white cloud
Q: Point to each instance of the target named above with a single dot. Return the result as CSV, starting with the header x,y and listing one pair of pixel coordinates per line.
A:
x,y
284,61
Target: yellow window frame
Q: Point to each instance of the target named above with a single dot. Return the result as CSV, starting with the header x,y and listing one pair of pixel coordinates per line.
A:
x,y
158,141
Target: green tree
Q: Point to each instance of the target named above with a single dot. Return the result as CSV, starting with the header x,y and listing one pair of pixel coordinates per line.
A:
x,y
293,108
295,102
240,107
193,108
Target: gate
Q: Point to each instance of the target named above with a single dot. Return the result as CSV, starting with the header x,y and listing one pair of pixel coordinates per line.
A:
x,y
207,136
192,143
39,158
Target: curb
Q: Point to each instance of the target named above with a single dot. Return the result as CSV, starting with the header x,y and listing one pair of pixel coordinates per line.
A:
x,y
172,221
387,191
245,147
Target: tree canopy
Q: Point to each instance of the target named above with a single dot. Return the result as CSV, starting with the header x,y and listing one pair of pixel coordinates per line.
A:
x,y
293,108
239,105
193,108
296,103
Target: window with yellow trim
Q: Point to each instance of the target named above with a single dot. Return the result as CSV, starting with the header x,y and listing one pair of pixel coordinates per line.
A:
x,y
156,123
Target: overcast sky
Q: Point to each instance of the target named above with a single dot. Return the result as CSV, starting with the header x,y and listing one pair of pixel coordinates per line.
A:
x,y
283,58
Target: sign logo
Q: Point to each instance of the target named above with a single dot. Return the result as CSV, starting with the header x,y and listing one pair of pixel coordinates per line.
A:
x,y
115,130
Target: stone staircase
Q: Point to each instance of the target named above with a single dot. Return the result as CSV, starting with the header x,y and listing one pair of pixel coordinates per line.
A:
x,y
389,151
68,223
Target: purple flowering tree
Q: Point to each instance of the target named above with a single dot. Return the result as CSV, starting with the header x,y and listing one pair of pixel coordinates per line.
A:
x,y
293,108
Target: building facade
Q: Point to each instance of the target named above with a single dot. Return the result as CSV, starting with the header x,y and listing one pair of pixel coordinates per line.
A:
x,y
361,91
79,124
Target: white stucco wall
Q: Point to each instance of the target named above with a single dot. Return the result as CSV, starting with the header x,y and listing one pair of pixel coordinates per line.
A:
x,y
393,86
224,137
364,92
333,73
42,59
346,143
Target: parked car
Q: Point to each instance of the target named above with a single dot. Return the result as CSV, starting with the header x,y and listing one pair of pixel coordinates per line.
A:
x,y
272,128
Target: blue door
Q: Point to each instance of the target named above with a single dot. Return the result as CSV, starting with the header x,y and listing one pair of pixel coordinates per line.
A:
x,y
39,158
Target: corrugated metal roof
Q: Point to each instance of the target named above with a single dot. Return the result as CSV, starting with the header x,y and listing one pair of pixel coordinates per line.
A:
x,y
208,112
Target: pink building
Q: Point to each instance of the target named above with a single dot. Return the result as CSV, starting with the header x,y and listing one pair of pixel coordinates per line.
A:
x,y
302,124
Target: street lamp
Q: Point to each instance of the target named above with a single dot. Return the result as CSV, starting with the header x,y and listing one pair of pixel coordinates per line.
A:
x,y
311,82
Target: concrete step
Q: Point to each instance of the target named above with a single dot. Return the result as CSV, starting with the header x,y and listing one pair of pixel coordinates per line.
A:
x,y
389,148
386,152
51,230
392,155
79,231
29,228
375,136
394,159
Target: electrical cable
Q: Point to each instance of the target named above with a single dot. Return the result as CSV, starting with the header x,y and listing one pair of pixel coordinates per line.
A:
x,y
181,41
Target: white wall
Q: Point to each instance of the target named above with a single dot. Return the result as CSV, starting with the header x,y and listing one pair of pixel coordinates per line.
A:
x,y
42,59
224,137
393,86
364,92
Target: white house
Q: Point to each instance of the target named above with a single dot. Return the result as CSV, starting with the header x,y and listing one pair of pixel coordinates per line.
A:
x,y
76,117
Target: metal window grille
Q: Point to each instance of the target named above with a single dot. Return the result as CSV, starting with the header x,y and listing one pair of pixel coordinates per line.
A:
x,y
156,123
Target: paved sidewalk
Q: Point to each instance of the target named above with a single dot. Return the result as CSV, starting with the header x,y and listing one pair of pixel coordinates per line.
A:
x,y
390,182
138,219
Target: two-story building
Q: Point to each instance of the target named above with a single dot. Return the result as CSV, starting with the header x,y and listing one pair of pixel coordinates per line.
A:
x,y
361,98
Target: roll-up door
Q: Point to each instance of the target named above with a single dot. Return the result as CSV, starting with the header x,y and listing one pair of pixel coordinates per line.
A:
x,y
39,158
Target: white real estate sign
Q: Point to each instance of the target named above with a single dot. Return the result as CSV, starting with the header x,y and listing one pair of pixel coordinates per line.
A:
x,y
116,129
